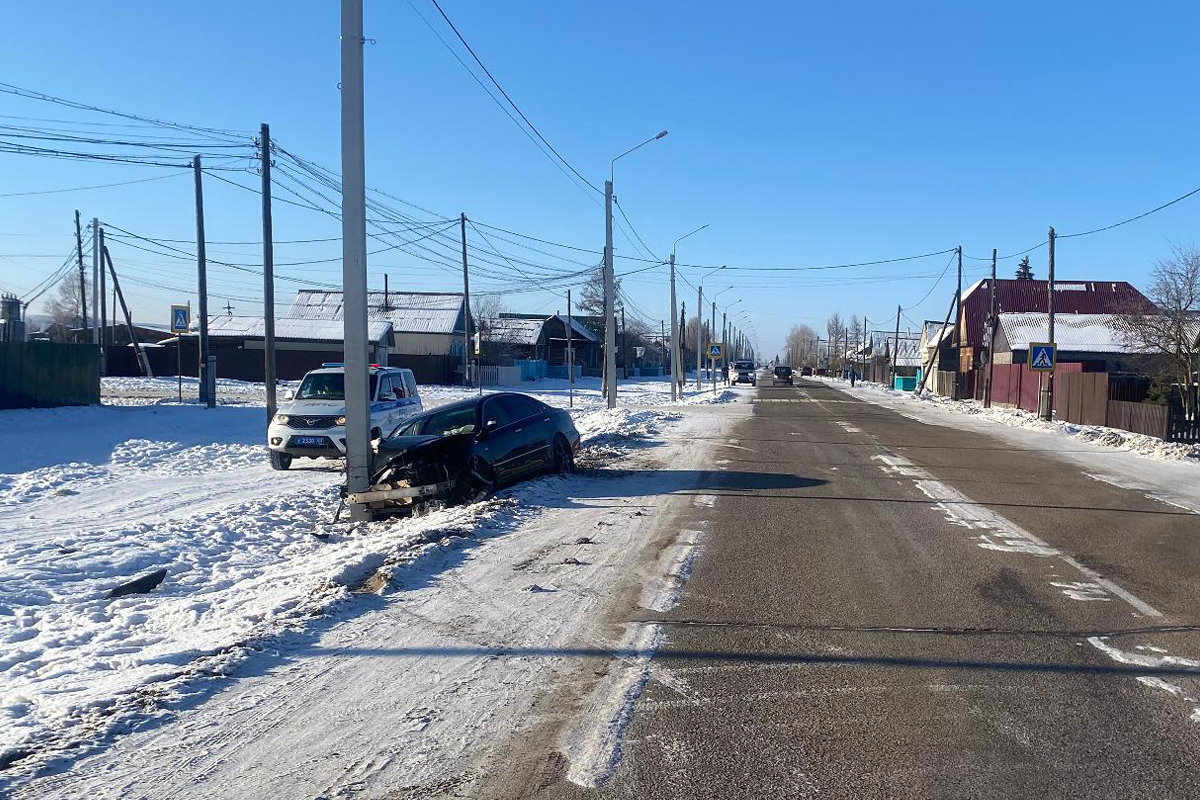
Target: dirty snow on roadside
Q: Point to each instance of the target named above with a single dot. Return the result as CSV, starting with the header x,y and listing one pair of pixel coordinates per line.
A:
x,y
91,497
1166,471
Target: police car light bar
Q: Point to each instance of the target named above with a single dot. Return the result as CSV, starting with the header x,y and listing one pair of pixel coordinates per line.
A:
x,y
333,364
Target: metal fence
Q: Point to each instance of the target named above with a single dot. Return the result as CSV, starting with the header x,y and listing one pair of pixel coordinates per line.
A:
x,y
48,374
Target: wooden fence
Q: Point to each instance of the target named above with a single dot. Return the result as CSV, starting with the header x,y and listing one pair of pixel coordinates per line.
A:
x,y
48,374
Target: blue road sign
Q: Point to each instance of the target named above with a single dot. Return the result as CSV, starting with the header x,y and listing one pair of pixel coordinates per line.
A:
x,y
1042,356
714,350
180,318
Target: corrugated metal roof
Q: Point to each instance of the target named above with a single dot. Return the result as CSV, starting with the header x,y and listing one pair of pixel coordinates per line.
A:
x,y
238,326
1082,333
1070,297
409,312
513,331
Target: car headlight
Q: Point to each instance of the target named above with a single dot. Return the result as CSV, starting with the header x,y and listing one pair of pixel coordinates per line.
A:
x,y
340,421
282,419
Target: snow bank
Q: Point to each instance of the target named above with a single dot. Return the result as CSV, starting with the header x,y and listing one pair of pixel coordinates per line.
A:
x,y
92,497
1147,446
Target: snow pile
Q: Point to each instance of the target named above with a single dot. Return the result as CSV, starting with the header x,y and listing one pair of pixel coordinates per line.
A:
x,y
1115,438
98,496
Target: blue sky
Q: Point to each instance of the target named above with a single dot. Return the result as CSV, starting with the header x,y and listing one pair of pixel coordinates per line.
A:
x,y
804,134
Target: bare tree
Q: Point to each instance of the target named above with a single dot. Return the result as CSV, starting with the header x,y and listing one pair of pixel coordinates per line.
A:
x,y
1166,336
66,306
801,345
835,329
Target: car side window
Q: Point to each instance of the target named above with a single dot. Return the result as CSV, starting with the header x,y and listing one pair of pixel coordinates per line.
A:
x,y
410,383
494,410
385,388
398,385
520,407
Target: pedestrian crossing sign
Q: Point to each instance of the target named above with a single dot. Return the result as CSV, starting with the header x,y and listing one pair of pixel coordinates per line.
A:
x,y
714,350
1042,356
180,318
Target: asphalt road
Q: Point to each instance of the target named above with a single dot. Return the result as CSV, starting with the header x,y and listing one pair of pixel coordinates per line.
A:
x,y
883,608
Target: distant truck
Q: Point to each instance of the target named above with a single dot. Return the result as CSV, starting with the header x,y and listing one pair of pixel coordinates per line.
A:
x,y
312,423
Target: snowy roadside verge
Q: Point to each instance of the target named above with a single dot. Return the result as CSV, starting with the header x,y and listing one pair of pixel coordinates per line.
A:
x,y
236,541
1147,446
1165,471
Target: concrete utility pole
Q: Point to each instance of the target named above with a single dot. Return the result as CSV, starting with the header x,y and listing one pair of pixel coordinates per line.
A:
x,y
993,323
82,278
957,394
682,349
724,345
896,349
610,319
268,271
354,258
570,356
1048,408
206,382
712,334
699,335
95,280
462,224
674,334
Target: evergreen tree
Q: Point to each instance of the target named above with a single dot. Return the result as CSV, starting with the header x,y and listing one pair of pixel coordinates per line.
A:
x,y
1024,271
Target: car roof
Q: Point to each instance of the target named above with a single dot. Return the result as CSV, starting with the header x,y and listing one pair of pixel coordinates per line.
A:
x,y
342,370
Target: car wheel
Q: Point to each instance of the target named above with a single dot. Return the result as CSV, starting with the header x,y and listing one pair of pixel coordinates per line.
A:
x,y
280,460
564,457
479,481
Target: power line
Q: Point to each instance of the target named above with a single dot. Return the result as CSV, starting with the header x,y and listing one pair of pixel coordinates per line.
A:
x,y
98,186
1131,219
509,99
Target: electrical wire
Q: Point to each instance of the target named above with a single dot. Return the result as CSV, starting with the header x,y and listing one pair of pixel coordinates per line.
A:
x,y
516,108
99,186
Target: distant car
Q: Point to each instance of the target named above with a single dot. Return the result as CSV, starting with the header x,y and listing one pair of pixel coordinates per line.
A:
x,y
805,372
312,423
781,374
461,452
744,372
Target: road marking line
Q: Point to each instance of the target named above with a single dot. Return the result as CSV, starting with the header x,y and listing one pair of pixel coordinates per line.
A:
x,y
1002,534
706,500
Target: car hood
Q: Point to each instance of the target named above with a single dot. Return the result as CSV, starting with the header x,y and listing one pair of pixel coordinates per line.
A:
x,y
416,448
325,408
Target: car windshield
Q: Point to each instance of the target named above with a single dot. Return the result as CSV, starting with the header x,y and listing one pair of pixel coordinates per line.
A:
x,y
449,422
783,371
327,386
745,365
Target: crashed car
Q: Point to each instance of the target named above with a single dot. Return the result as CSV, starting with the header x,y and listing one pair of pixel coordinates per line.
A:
x,y
462,452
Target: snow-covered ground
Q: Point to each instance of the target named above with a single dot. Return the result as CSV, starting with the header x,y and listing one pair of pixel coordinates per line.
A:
x,y
1167,471
91,497
634,392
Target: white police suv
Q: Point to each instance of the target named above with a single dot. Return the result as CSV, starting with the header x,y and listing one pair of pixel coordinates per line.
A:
x,y
312,423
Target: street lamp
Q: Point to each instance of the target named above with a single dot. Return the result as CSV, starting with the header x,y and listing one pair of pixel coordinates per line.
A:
x,y
699,319
610,320
676,349
724,333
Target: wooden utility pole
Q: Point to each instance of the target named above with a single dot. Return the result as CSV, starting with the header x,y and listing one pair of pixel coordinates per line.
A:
x,y
993,323
143,360
957,393
462,225
82,278
570,359
896,349
268,271
932,365
103,309
205,380
1048,410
